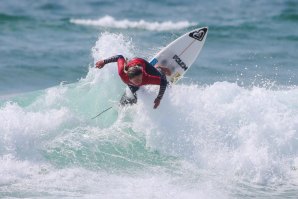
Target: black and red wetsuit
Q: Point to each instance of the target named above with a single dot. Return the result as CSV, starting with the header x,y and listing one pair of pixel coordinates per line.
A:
x,y
150,74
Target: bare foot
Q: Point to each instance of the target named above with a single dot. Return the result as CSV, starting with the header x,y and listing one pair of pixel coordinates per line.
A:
x,y
165,70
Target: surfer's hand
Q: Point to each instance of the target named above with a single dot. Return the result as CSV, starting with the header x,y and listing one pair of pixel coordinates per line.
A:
x,y
100,64
156,103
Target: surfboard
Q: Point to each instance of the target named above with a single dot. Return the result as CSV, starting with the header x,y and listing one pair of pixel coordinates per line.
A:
x,y
178,56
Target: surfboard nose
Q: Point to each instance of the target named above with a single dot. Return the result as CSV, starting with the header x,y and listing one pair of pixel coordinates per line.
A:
x,y
199,34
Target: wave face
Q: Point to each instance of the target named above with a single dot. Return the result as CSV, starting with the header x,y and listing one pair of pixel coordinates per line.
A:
x,y
110,22
204,141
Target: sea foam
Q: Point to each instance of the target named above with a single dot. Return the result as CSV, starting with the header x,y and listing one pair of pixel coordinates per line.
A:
x,y
111,22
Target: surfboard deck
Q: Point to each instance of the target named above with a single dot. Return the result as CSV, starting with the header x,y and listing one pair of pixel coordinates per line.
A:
x,y
178,56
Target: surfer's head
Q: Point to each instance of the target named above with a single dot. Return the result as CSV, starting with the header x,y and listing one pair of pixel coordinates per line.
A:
x,y
135,75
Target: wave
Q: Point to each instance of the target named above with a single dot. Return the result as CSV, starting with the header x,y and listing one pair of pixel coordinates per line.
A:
x,y
12,18
110,22
199,135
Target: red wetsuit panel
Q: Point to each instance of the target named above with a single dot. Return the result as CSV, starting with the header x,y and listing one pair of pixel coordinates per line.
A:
x,y
147,78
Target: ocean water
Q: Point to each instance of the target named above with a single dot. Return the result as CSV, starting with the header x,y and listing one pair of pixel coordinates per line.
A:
x,y
228,129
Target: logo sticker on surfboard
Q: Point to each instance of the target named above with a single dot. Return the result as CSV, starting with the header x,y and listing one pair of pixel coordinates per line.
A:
x,y
180,62
198,34
175,77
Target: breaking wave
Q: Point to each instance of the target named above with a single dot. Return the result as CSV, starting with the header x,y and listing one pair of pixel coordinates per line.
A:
x,y
111,22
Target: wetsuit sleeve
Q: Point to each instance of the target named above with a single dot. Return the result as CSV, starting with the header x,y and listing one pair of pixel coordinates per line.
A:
x,y
117,58
162,88
113,59
159,76
151,70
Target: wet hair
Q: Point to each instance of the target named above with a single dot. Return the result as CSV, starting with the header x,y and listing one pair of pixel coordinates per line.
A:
x,y
134,71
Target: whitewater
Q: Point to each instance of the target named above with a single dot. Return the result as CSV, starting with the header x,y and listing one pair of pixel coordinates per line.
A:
x,y
219,140
111,22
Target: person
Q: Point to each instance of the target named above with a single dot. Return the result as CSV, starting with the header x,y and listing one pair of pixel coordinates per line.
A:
x,y
138,72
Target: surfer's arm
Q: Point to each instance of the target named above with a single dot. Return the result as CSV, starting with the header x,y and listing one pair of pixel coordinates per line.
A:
x,y
162,88
116,58
157,77
113,59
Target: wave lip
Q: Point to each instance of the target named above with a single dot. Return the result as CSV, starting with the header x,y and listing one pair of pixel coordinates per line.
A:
x,y
110,22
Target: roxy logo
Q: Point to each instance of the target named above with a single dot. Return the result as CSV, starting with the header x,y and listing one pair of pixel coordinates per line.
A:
x,y
199,34
180,62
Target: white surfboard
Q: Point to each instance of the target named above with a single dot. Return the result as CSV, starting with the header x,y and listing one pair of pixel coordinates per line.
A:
x,y
180,54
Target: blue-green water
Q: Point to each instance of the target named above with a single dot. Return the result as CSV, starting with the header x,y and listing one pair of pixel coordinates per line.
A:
x,y
227,130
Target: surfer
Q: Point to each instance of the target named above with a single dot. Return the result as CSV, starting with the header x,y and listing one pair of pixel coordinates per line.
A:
x,y
137,72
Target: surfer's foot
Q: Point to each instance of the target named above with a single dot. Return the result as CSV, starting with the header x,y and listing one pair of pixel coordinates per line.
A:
x,y
165,70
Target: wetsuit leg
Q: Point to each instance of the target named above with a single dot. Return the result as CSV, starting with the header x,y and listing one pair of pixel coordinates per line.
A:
x,y
125,100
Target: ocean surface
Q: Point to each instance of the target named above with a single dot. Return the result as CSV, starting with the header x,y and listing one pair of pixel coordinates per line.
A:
x,y
228,129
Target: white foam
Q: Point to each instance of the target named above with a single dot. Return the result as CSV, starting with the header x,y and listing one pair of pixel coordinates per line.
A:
x,y
110,22
42,180
226,128
22,130
54,110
